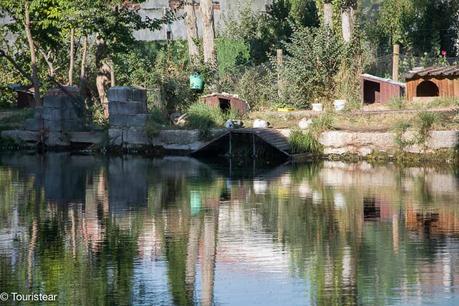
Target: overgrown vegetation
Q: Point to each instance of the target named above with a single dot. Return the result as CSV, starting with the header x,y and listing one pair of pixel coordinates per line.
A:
x,y
157,120
415,132
304,142
204,118
308,141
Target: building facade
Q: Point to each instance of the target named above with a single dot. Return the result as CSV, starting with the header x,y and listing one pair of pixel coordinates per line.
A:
x,y
223,10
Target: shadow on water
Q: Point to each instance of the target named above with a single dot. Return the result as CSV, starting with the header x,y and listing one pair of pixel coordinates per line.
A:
x,y
129,230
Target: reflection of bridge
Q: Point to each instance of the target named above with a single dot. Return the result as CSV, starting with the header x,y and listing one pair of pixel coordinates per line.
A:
x,y
254,142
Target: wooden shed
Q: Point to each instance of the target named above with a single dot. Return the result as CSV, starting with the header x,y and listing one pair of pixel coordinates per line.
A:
x,y
24,95
379,90
227,102
425,83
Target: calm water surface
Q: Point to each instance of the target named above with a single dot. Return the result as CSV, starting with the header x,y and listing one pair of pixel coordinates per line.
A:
x,y
176,231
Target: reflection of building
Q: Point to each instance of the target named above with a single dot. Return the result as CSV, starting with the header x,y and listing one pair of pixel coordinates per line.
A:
x,y
434,221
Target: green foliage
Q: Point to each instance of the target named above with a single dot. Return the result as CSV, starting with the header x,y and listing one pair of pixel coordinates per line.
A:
x,y
322,123
421,125
400,129
14,119
304,142
157,120
264,32
204,118
257,85
425,122
231,54
397,103
161,68
313,60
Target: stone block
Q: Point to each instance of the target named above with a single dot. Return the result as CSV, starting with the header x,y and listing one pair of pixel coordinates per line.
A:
x,y
125,94
133,136
179,137
52,125
52,114
20,135
87,137
128,120
127,108
33,124
443,140
53,101
55,139
72,125
115,137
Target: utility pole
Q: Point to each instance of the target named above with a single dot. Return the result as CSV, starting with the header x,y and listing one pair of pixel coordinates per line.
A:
x,y
395,62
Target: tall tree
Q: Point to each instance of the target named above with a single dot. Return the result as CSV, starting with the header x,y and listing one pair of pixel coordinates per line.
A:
x,y
33,57
191,30
348,8
328,13
208,37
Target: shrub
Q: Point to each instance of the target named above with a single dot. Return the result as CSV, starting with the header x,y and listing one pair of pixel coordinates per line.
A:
x,y
397,103
425,122
156,121
257,87
322,123
314,59
304,142
204,118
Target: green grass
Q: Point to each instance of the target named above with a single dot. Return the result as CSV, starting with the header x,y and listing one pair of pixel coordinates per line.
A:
x,y
304,142
203,118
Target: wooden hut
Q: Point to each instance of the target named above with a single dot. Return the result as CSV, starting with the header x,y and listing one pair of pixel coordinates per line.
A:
x,y
425,83
226,102
24,95
379,90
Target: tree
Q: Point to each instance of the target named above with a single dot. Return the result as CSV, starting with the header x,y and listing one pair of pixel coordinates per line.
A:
x,y
208,37
348,8
191,30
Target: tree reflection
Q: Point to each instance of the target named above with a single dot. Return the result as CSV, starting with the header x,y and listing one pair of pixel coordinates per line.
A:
x,y
353,233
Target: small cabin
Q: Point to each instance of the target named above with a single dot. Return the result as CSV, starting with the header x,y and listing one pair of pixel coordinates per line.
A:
x,y
428,83
376,90
227,102
24,95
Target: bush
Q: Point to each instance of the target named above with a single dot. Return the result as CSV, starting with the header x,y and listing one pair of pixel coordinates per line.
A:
x,y
314,59
322,123
397,103
156,121
204,118
425,123
304,142
257,86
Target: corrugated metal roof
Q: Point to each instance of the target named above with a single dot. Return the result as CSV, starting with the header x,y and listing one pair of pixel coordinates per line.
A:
x,y
433,72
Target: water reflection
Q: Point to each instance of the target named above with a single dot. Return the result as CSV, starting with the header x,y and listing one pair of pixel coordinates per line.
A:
x,y
178,231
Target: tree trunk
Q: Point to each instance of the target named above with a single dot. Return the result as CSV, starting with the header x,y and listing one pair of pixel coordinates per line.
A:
x,y
112,74
103,78
33,57
347,22
84,53
207,12
328,14
72,52
191,30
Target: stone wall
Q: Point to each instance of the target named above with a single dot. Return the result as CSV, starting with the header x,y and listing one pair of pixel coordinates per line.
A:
x,y
363,144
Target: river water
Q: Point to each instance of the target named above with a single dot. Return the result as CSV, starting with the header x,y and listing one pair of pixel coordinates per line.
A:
x,y
177,231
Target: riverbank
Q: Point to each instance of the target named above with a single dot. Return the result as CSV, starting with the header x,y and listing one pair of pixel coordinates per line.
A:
x,y
440,146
